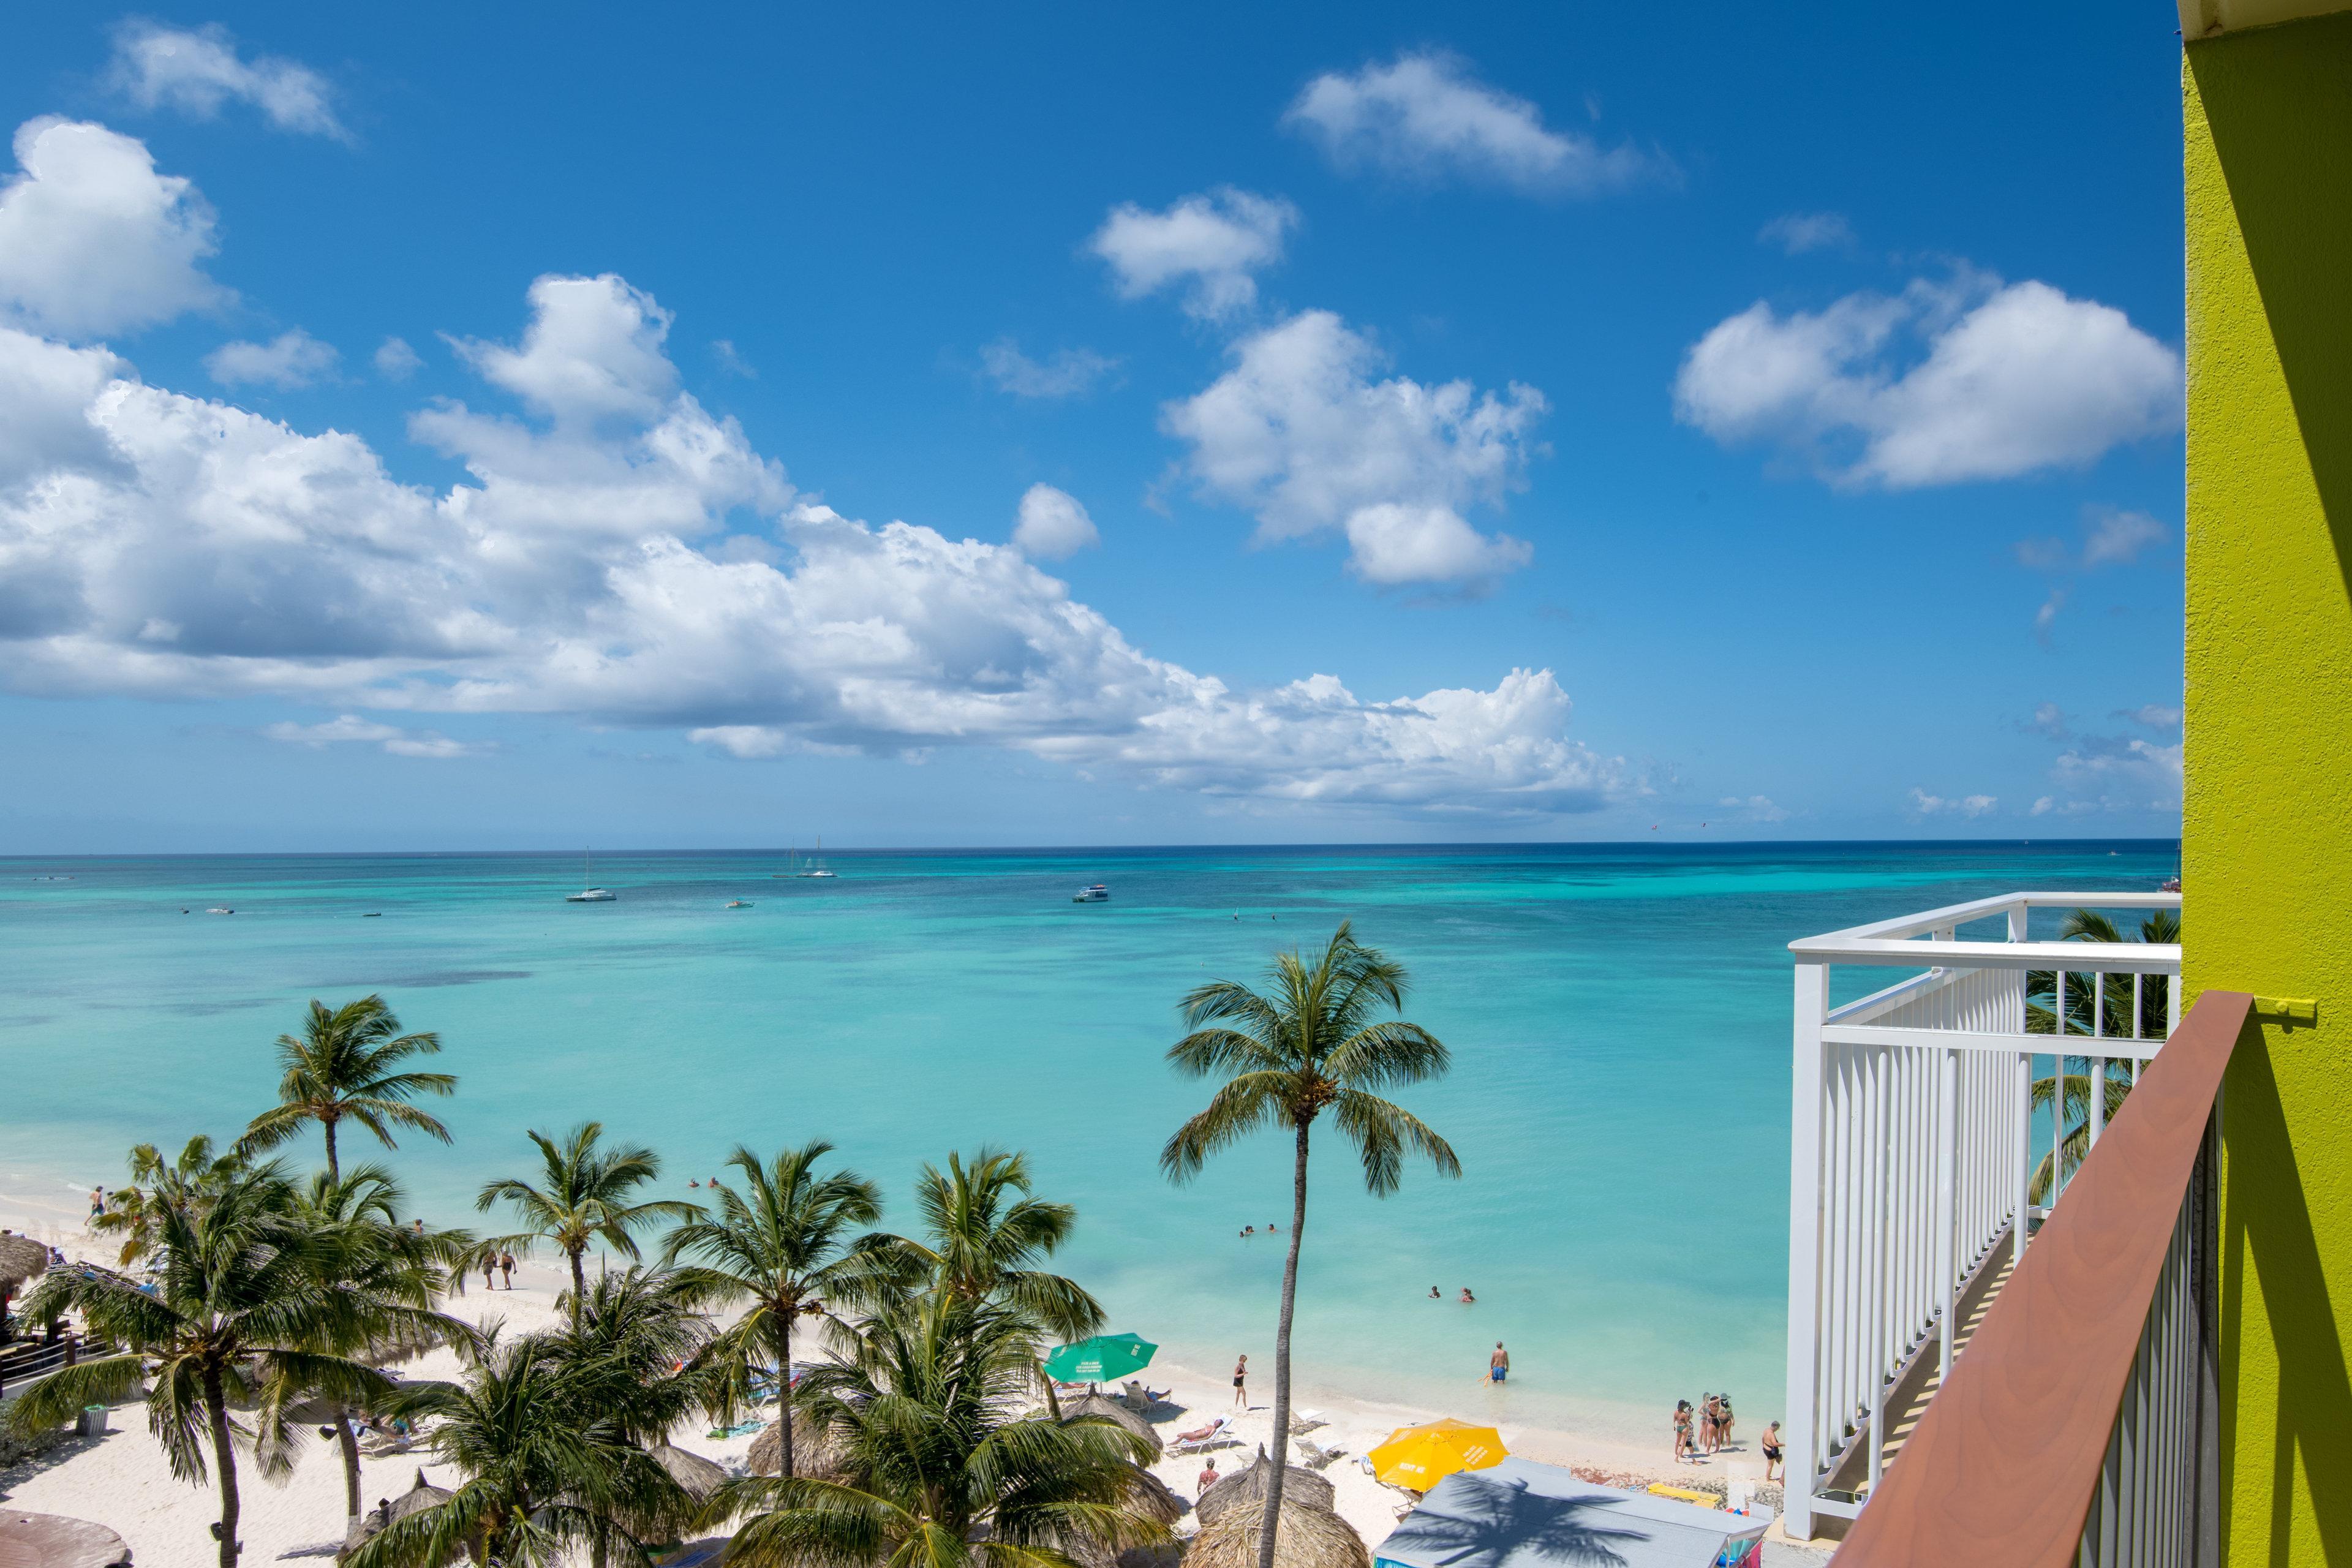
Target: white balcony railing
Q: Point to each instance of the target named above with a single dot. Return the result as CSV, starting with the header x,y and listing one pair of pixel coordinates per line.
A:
x,y
1914,1145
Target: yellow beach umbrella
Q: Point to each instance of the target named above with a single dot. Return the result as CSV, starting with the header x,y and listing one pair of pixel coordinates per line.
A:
x,y
1421,1457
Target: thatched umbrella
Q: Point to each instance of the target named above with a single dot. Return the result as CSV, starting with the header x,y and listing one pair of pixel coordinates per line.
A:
x,y
1310,1538
815,1454
21,1259
1149,1495
1111,1409
422,1495
696,1476
53,1540
1248,1485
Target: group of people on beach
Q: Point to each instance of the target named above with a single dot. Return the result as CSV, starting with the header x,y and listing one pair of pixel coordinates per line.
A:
x,y
494,1264
1702,1433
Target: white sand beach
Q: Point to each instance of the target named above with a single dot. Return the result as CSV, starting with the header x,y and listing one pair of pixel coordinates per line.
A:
x,y
121,1480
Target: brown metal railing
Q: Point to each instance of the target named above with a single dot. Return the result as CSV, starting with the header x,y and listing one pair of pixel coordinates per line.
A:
x,y
2077,1429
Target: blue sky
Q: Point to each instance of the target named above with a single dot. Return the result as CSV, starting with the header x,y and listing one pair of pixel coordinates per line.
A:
x,y
1504,426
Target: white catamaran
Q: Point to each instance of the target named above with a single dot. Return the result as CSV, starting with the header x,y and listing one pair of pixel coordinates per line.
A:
x,y
589,892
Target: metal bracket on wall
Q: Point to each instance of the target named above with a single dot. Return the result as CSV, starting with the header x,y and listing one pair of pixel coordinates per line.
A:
x,y
2287,1010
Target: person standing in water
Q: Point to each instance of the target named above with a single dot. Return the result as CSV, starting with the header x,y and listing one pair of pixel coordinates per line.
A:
x,y
1498,1365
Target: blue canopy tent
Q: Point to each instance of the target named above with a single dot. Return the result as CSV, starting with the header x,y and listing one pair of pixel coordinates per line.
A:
x,y
1520,1514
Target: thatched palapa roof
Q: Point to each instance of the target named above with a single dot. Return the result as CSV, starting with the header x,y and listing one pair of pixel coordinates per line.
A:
x,y
422,1495
1248,1485
1113,1411
696,1476
21,1259
1310,1538
816,1452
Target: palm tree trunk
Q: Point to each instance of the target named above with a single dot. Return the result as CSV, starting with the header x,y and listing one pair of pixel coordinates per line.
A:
x,y
579,1288
784,1388
334,1173
1282,1358
225,1460
351,1448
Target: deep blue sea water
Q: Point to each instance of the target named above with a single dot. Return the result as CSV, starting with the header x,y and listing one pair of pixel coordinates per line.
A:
x,y
1619,1018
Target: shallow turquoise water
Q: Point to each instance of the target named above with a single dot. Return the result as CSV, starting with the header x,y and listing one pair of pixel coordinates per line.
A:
x,y
1618,1019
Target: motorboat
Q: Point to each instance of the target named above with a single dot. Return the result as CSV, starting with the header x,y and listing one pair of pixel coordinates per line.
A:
x,y
1097,894
589,893
739,903
220,910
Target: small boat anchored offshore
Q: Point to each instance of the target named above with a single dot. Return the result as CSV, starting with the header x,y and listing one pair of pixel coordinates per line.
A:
x,y
1097,894
589,892
739,903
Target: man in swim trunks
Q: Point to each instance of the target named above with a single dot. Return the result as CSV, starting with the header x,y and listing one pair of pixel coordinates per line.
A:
x,y
1498,1365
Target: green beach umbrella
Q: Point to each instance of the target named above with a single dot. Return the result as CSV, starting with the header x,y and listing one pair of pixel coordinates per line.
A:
x,y
1100,1359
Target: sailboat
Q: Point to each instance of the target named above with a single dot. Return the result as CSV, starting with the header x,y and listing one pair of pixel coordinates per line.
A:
x,y
589,892
816,865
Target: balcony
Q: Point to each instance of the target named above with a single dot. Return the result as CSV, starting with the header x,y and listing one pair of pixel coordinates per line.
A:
x,y
1921,1168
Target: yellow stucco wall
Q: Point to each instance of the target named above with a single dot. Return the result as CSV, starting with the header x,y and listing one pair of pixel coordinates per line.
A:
x,y
2267,816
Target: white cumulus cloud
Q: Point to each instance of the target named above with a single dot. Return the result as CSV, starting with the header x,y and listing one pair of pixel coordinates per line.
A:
x,y
1301,434
395,360
621,557
1947,382
1966,805
2116,537
291,359
1208,246
1425,116
198,70
350,726
1052,524
1798,233
93,240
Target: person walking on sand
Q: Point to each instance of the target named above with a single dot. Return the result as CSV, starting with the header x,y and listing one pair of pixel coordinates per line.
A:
x,y
1240,1384
1683,1432
506,1267
1208,1479
1498,1365
97,1203
1771,1451
489,1271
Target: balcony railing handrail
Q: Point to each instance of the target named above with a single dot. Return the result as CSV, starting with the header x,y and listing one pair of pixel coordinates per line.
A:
x,y
2005,1464
1914,925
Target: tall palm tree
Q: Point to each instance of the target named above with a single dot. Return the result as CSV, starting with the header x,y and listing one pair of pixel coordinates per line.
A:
x,y
942,1471
2117,1017
983,1231
583,1195
785,1246
546,1465
343,1067
1314,1044
388,1274
236,1306
190,1180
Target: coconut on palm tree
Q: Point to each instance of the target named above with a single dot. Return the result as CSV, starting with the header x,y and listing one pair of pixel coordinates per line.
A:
x,y
1316,1042
583,1195
785,1246
344,1067
941,1470
236,1308
547,1465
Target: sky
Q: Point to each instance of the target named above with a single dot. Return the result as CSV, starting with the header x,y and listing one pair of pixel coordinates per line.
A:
x,y
473,427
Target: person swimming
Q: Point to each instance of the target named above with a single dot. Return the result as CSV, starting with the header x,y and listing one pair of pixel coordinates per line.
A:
x,y
1435,1294
1466,1298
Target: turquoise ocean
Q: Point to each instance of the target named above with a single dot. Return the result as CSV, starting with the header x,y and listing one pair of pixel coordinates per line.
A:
x,y
1619,1018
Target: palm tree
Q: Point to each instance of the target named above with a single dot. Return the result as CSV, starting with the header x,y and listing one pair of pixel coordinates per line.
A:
x,y
189,1181
2117,1018
582,1196
1314,1045
342,1066
388,1273
547,1466
984,1230
942,1472
785,1246
237,1305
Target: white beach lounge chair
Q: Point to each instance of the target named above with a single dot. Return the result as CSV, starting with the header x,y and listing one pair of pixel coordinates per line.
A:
x,y
1318,1457
1218,1434
1305,1421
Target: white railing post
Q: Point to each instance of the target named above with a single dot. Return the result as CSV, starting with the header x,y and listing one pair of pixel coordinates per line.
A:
x,y
2019,930
1945,1232
1800,1432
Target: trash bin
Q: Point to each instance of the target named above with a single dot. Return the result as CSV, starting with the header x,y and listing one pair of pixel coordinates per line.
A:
x,y
93,1421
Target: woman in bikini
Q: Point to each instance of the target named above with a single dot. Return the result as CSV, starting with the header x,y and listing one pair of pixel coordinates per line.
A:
x,y
1240,1384
1682,1429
